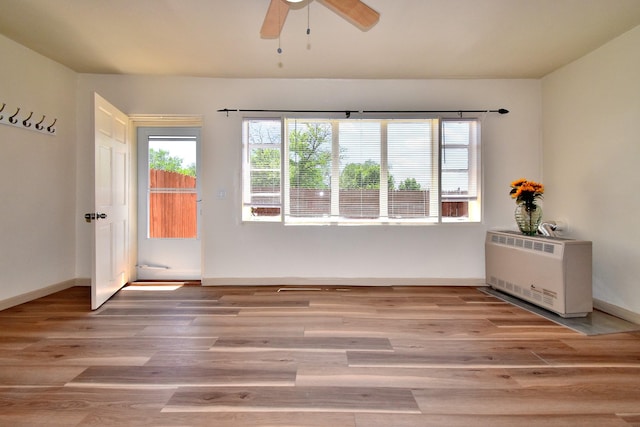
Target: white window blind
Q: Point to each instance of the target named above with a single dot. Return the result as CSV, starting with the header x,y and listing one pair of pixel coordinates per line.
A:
x,y
360,169
413,188
309,154
460,170
262,169
363,170
460,158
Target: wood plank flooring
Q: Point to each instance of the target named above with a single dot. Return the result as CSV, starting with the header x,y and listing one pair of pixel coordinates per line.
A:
x,y
339,357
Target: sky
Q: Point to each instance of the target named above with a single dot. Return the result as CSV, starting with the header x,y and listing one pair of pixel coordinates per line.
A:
x,y
183,148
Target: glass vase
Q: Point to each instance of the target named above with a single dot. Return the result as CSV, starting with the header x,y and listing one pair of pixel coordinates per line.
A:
x,y
528,218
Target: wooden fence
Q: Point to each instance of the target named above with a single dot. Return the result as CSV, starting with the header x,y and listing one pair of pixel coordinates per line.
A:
x,y
354,203
172,205
360,203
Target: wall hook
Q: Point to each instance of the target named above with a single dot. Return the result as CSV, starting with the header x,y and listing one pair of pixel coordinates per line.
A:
x,y
39,124
13,119
50,128
26,123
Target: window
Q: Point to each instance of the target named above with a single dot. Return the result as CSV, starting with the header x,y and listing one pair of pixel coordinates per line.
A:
x,y
261,192
460,170
361,170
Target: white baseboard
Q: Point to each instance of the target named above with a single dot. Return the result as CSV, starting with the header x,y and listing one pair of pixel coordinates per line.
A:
x,y
38,293
339,281
614,310
83,281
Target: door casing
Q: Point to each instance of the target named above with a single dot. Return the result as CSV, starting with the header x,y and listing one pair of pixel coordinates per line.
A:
x,y
165,259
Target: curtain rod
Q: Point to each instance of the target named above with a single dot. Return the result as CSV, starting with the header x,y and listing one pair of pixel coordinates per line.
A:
x,y
348,112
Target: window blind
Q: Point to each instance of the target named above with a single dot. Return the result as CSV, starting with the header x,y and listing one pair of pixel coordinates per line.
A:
x,y
460,157
309,147
413,179
360,169
363,170
262,167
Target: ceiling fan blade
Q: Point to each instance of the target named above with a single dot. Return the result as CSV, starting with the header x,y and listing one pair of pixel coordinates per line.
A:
x,y
354,11
274,19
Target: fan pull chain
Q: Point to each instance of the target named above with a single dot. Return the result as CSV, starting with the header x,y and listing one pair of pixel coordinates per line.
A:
x,y
308,18
279,26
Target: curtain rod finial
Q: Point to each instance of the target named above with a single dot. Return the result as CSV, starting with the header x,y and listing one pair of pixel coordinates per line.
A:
x,y
503,111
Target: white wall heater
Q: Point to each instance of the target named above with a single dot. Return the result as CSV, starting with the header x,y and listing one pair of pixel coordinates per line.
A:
x,y
551,272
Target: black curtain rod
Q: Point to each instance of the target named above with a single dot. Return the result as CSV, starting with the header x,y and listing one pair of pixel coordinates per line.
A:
x,y
348,112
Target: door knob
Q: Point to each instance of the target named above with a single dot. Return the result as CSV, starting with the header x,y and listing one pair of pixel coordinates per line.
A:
x,y
91,216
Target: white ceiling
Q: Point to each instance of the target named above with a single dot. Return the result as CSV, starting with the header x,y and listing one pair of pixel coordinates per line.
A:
x,y
414,38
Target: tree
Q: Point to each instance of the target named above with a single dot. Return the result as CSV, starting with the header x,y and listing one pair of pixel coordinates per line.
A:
x,y
409,184
265,165
361,176
391,183
160,160
309,159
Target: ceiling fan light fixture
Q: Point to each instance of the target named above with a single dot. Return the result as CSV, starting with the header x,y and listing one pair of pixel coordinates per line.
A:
x,y
295,1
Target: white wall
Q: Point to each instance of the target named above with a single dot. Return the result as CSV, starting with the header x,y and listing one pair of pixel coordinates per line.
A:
x,y
37,174
239,253
591,112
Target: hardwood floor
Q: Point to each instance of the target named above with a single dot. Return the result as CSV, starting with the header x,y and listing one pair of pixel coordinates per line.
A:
x,y
339,357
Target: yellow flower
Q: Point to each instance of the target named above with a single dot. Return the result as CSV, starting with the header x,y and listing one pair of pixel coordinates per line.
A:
x,y
525,191
518,182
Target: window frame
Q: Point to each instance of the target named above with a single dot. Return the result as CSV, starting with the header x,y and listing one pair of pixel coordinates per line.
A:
x,y
474,159
437,199
248,214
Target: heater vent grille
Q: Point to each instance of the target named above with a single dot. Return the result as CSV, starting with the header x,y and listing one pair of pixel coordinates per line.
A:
x,y
528,244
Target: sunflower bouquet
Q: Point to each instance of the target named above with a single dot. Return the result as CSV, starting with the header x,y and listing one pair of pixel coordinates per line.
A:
x,y
526,192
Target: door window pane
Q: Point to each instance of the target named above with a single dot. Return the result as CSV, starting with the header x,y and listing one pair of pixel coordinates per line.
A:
x,y
172,187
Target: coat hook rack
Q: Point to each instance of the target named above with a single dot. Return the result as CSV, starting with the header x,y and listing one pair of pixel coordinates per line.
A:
x,y
24,121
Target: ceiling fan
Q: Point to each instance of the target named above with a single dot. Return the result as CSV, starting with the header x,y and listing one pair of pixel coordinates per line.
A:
x,y
354,11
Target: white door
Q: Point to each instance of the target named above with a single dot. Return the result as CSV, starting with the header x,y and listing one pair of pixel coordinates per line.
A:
x,y
111,215
169,245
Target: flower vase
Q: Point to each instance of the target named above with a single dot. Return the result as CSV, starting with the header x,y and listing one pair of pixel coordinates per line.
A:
x,y
528,218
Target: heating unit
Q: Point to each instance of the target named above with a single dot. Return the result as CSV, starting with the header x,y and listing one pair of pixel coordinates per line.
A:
x,y
551,272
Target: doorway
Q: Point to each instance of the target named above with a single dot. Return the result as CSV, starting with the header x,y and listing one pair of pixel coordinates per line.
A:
x,y
169,243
